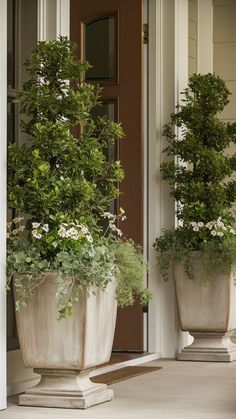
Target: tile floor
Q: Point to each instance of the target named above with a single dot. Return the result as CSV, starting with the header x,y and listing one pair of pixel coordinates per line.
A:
x,y
180,390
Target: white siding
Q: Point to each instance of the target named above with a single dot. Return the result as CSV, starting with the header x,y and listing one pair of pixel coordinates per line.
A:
x,y
224,52
192,36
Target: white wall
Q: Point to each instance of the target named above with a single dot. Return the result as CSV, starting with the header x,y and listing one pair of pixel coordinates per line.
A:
x,y
224,38
224,53
200,36
3,146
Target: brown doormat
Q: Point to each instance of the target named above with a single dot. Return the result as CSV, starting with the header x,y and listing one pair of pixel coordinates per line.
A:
x,y
116,359
122,374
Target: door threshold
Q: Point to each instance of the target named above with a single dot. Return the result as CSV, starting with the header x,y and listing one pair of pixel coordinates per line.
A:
x,y
134,359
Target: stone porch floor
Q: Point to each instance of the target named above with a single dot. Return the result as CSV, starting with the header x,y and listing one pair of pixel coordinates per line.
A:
x,y
180,390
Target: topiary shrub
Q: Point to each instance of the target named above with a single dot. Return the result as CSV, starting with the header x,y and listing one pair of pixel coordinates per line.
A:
x,y
199,174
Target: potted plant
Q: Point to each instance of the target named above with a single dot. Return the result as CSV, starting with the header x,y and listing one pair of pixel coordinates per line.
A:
x,y
69,265
202,249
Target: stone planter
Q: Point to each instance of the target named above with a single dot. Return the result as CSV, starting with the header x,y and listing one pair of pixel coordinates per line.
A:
x,y
208,312
64,351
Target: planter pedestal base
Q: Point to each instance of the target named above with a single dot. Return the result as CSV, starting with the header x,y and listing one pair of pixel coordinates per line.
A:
x,y
215,347
66,389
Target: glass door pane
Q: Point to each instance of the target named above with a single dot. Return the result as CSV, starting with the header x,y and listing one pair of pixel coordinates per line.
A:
x,y
100,48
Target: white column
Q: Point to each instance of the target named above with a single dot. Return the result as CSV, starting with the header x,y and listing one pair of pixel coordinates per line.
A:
x,y
53,19
63,18
163,329
181,81
3,152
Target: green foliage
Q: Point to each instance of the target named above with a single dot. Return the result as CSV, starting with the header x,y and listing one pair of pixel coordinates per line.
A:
x,y
202,184
62,180
80,263
130,272
57,175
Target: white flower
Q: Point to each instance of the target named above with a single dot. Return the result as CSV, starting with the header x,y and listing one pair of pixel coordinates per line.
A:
x,y
108,215
35,225
62,232
219,223
116,230
36,235
72,233
220,233
123,218
200,224
83,229
213,233
54,244
193,224
111,224
45,228
209,225
196,228
232,231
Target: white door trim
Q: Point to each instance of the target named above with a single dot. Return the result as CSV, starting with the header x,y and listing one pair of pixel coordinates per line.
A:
x,y
53,20
3,180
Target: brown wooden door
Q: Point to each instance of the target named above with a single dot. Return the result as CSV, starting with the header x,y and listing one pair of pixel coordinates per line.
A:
x,y
109,33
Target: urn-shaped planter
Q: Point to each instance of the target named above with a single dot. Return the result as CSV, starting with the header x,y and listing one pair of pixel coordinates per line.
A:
x,y
64,351
207,311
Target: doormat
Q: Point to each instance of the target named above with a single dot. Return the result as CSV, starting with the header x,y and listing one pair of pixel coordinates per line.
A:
x,y
122,374
116,359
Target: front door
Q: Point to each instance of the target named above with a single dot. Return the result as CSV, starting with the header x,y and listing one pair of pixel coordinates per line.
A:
x,y
109,34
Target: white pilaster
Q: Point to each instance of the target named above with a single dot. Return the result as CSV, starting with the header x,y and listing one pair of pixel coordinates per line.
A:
x,y
42,20
163,330
181,81
53,19
63,18
3,152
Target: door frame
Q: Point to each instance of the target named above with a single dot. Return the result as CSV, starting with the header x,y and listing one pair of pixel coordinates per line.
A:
x,y
3,180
